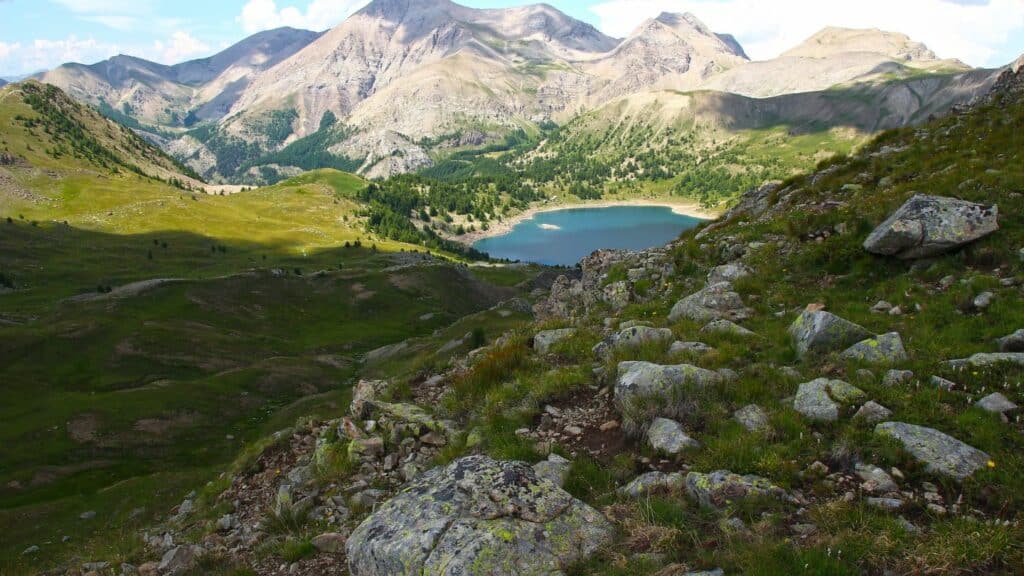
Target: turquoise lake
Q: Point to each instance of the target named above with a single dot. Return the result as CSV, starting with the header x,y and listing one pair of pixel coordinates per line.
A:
x,y
564,237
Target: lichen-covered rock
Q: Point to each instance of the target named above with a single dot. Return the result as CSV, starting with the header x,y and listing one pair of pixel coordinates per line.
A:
x,y
996,403
821,332
653,482
897,377
543,341
885,349
477,516
1012,343
930,225
667,436
721,488
365,391
728,273
716,302
821,399
689,348
941,453
638,335
988,359
617,294
752,417
726,327
644,390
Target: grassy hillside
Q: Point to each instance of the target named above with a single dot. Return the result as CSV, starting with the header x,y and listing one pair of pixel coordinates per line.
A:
x,y
803,243
150,333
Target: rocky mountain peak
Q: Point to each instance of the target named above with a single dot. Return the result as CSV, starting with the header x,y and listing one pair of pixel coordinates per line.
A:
x,y
398,10
832,41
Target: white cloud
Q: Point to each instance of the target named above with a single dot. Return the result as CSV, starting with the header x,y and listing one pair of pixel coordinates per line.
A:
x,y
43,54
258,15
971,31
180,47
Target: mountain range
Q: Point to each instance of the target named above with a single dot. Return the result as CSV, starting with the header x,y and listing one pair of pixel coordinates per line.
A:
x,y
399,84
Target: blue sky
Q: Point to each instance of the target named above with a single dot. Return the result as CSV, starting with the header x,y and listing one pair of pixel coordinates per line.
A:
x,y
37,34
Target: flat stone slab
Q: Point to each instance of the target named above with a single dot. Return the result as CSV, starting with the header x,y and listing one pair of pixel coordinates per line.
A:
x,y
941,453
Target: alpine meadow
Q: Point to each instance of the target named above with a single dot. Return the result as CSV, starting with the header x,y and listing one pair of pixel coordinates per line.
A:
x,y
249,324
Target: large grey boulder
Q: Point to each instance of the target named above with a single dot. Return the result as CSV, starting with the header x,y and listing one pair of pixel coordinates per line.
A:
x,y
644,390
667,436
722,488
1012,343
821,332
543,341
941,453
716,302
930,225
884,349
639,335
996,403
728,273
477,516
821,399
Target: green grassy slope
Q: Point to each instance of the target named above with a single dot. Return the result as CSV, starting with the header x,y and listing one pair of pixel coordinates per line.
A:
x,y
150,333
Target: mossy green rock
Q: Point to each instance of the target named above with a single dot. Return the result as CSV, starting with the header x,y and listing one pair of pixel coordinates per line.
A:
x,y
821,399
885,349
821,332
477,516
941,453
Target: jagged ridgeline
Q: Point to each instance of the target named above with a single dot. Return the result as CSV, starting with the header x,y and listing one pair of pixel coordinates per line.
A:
x,y
404,86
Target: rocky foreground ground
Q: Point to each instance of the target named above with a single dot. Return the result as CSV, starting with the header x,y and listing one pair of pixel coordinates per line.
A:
x,y
785,382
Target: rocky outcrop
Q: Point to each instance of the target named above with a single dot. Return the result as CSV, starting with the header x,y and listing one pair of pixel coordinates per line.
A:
x,y
821,332
941,453
931,225
477,516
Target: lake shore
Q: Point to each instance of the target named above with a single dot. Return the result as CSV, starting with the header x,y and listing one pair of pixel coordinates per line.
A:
x,y
680,206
